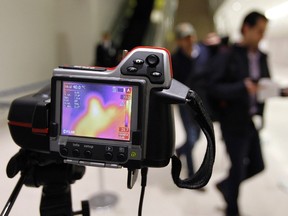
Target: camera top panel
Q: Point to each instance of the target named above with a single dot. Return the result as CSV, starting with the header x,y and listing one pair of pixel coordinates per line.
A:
x,y
149,63
145,64
91,68
153,63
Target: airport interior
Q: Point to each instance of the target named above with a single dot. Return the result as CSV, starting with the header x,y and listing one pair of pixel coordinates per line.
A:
x,y
38,36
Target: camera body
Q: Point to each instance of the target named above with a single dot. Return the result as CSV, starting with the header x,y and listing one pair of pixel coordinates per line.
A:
x,y
106,117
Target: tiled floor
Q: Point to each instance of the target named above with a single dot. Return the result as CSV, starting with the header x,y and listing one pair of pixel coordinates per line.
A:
x,y
264,195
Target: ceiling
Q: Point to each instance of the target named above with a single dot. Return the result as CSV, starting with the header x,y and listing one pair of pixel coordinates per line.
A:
x,y
229,15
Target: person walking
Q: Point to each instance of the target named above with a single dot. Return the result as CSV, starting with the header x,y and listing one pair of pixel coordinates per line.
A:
x,y
106,52
234,85
189,63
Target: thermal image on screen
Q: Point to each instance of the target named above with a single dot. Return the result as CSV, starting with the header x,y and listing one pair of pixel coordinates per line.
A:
x,y
96,110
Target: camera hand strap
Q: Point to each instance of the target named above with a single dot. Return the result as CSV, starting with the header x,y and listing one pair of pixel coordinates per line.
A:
x,y
177,94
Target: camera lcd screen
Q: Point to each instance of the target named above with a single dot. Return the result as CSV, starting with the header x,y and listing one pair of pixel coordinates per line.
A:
x,y
96,110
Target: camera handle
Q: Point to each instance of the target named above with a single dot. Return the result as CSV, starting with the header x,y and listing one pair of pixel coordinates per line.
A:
x,y
38,169
178,93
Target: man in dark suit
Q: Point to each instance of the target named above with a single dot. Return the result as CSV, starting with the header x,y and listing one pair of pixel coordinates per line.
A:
x,y
190,63
234,85
106,52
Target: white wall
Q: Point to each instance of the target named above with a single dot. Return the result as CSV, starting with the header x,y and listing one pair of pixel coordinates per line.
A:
x,y
27,50
80,25
229,16
37,36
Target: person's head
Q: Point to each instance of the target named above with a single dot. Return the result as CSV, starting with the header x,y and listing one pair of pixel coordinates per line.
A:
x,y
185,36
253,29
106,36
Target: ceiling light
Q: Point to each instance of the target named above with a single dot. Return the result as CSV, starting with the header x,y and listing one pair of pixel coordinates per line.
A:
x,y
278,11
236,6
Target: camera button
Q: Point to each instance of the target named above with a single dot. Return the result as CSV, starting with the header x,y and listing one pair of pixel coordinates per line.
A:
x,y
76,152
152,60
132,69
156,74
64,151
108,156
87,154
138,61
121,157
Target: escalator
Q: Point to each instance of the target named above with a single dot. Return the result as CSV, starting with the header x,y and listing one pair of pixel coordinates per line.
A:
x,y
144,23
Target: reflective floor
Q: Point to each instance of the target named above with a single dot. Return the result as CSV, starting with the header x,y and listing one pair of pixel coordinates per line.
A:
x,y
265,195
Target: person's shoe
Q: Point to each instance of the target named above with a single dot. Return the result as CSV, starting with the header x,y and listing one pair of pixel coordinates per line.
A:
x,y
232,215
177,152
220,188
202,190
230,208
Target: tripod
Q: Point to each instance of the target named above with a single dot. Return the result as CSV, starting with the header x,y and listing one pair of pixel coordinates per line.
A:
x,y
47,170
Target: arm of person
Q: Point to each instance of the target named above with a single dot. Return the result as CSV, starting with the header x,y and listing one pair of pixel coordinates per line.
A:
x,y
221,83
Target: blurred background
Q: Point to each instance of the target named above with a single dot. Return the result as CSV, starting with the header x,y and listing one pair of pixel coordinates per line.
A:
x,y
37,36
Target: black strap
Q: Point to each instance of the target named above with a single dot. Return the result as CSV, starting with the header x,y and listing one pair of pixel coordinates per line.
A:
x,y
203,175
